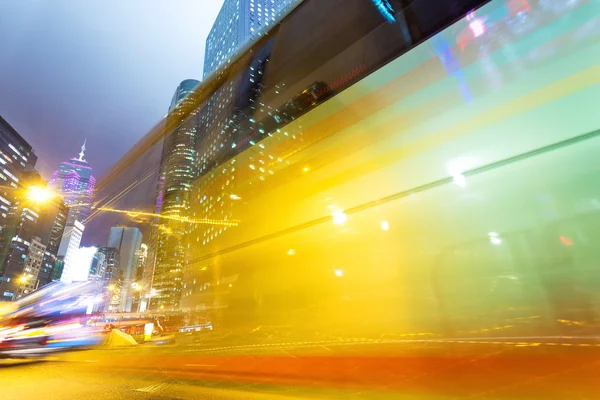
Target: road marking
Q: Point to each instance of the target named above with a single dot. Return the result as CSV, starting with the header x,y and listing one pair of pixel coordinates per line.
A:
x,y
199,365
153,388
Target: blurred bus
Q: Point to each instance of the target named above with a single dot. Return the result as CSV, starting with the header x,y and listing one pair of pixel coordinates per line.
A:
x,y
402,169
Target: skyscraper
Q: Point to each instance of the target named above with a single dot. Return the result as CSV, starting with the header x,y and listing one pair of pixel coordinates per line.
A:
x,y
128,241
29,281
139,300
75,183
113,277
112,260
98,267
20,232
73,270
53,222
16,157
238,22
177,171
184,88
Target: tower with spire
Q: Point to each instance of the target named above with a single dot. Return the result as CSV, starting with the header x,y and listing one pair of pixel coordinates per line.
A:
x,y
82,153
75,183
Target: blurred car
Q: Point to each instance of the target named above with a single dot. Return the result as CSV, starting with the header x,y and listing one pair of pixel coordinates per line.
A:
x,y
49,320
23,339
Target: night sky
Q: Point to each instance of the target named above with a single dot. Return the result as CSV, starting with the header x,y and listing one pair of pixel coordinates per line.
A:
x,y
101,70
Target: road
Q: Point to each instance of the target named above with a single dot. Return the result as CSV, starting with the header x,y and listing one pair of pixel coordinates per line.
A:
x,y
425,370
68,380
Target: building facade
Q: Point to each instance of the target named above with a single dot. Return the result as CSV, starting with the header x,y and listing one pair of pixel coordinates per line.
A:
x,y
75,183
54,220
128,241
72,269
238,22
139,286
112,260
98,267
16,158
22,228
29,280
177,171
113,277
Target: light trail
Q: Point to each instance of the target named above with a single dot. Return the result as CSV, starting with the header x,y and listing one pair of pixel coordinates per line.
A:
x,y
133,214
111,199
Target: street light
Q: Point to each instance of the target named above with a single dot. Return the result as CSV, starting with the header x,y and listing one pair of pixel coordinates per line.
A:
x,y
23,279
39,194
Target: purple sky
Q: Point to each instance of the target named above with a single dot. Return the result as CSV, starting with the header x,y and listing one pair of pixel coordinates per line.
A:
x,y
101,70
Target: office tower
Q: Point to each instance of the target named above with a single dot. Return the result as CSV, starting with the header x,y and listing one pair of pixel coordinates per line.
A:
x,y
177,171
21,229
75,183
139,299
112,260
78,264
72,269
29,280
142,260
98,267
16,157
238,22
184,88
59,266
128,241
113,277
53,222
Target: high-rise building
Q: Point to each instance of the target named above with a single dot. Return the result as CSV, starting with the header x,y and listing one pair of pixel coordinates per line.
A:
x,y
238,22
29,280
98,267
16,157
21,230
112,260
78,264
142,260
139,299
75,183
184,88
53,222
113,277
177,171
128,241
72,269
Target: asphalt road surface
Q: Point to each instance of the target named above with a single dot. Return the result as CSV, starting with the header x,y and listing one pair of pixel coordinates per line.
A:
x,y
425,370
52,380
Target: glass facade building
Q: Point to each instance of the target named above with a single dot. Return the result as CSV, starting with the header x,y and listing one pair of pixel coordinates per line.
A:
x,y
238,22
72,268
16,157
128,241
75,183
177,171
54,221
